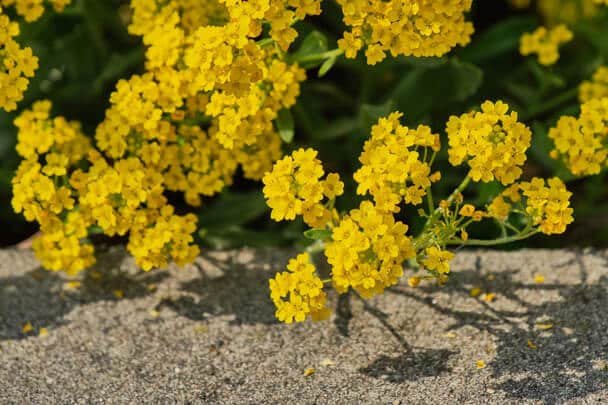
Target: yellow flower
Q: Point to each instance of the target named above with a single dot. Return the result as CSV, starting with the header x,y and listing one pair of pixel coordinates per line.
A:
x,y
596,88
422,28
294,187
581,142
437,260
499,208
492,142
545,43
298,292
367,251
548,203
467,210
393,168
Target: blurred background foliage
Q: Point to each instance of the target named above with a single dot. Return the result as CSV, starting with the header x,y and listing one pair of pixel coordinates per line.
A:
x,y
86,49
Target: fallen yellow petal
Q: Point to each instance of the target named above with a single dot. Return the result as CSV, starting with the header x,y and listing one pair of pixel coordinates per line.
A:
x,y
71,285
118,293
475,291
450,335
489,297
327,362
544,326
531,345
309,371
539,279
154,313
27,327
413,281
42,332
490,277
481,364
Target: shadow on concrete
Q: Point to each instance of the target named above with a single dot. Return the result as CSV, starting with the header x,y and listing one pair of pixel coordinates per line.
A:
x,y
240,291
570,359
43,298
410,366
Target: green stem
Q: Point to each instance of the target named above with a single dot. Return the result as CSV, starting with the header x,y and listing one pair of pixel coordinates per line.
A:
x,y
422,239
492,242
317,247
450,199
429,198
320,56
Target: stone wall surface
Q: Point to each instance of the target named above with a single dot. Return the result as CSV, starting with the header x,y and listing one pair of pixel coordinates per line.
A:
x,y
207,334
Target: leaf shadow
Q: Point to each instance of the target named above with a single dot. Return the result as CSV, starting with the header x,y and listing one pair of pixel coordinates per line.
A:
x,y
567,361
237,288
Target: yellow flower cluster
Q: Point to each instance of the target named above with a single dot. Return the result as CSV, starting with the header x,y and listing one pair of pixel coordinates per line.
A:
x,y
597,87
216,79
568,11
18,64
545,43
367,250
76,188
582,143
394,163
367,247
294,187
404,27
303,290
492,142
547,203
207,67
31,10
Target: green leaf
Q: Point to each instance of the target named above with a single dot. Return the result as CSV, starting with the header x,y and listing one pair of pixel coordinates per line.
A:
x,y
326,66
118,64
425,62
314,43
232,209
285,126
501,38
369,113
338,128
540,150
423,90
318,234
486,192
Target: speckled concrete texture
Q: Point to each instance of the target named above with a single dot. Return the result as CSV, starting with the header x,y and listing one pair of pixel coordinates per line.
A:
x,y
206,334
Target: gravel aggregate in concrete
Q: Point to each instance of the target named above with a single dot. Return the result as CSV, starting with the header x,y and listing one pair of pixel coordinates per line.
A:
x,y
207,334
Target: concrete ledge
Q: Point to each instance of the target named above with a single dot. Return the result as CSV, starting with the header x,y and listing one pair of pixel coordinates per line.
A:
x,y
207,334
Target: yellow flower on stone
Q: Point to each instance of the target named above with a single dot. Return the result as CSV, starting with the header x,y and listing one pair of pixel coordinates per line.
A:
x,y
298,292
